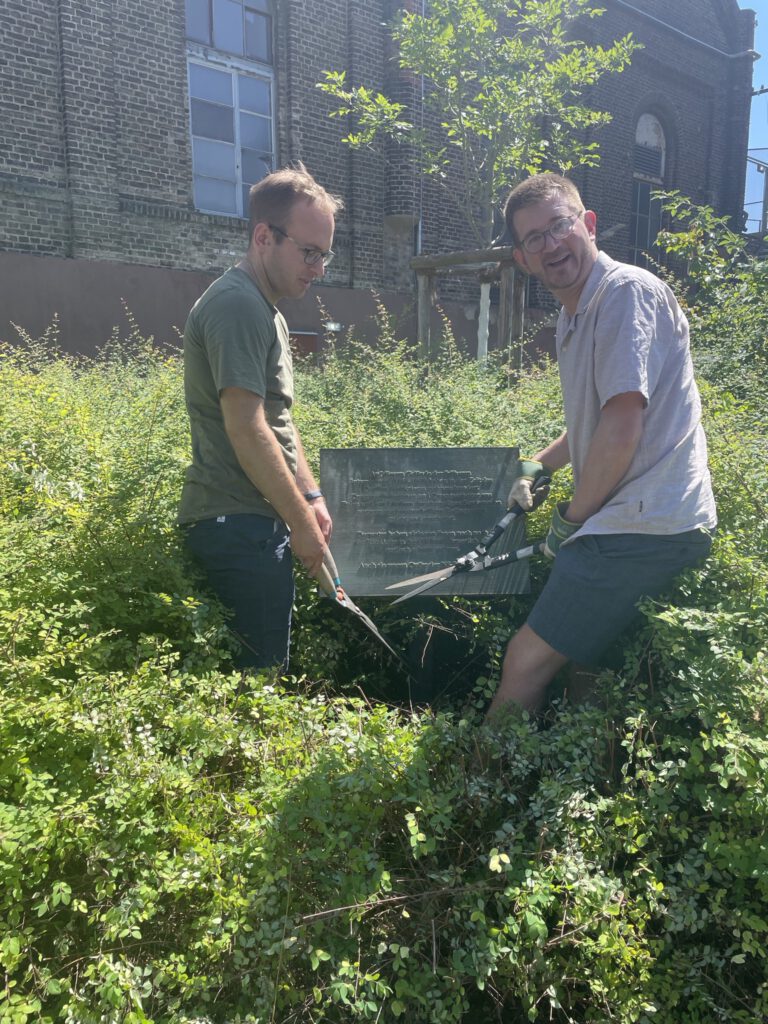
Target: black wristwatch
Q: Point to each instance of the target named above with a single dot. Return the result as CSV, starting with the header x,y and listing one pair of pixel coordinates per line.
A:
x,y
313,495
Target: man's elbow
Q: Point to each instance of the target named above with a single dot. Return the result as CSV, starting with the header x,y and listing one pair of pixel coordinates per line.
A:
x,y
627,432
626,418
242,412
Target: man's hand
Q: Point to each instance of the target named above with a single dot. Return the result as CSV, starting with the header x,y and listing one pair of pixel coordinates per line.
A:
x,y
323,517
308,545
527,472
560,530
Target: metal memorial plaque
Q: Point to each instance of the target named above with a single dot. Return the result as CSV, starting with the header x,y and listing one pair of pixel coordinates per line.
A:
x,y
401,512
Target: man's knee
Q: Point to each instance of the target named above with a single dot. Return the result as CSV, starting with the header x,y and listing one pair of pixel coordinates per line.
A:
x,y
528,654
530,664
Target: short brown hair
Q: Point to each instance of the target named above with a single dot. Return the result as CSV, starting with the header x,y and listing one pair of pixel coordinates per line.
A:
x,y
271,200
538,189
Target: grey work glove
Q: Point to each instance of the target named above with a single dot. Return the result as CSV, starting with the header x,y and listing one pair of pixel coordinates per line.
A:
x,y
560,530
527,472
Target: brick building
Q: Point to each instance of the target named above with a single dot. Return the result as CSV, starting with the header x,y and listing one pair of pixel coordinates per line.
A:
x,y
132,130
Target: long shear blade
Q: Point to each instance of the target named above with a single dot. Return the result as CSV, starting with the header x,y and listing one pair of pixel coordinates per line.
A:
x,y
347,602
329,582
437,574
432,582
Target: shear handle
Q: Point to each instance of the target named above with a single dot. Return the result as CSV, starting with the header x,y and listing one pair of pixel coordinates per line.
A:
x,y
540,491
327,583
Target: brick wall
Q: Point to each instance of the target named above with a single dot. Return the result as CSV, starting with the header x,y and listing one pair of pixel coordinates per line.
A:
x,y
699,96
34,200
95,161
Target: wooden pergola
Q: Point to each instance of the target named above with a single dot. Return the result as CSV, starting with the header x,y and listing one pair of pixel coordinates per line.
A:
x,y
488,265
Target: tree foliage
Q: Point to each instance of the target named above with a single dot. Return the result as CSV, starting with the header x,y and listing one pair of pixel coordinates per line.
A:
x,y
504,81
724,287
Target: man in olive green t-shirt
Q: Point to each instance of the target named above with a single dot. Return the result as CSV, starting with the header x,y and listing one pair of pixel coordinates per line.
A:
x,y
249,497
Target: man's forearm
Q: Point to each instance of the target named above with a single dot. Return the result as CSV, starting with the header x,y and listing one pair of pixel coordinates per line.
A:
x,y
610,455
262,459
305,480
555,455
263,462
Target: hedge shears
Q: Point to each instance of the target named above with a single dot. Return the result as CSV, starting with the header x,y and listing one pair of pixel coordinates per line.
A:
x,y
478,559
330,583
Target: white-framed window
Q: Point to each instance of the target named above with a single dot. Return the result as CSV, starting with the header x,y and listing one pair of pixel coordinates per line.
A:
x,y
231,97
649,165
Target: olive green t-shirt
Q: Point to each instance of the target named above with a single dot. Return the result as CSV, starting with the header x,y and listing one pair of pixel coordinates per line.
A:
x,y
233,338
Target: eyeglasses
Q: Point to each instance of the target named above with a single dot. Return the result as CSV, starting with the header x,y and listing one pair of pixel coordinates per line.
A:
x,y
557,231
311,256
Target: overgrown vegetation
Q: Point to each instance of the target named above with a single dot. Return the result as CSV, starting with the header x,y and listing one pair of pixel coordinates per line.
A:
x,y
726,294
179,844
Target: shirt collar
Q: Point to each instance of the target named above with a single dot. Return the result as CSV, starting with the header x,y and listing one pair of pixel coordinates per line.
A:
x,y
603,264
255,285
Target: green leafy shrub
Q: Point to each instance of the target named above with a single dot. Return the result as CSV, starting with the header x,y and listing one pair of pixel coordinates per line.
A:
x,y
181,845
725,288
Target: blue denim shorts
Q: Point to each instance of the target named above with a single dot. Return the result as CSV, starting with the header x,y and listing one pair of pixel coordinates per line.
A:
x,y
247,563
596,581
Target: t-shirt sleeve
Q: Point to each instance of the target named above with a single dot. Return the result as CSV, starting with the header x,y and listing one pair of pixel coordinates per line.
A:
x,y
629,341
237,343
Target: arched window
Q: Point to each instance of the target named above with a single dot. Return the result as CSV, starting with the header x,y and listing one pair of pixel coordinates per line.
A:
x,y
649,164
231,96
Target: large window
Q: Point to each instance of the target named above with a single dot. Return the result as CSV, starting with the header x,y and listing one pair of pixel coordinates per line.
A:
x,y
231,93
648,166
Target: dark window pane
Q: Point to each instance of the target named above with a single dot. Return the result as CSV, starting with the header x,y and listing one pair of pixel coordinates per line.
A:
x,y
254,95
256,132
255,166
214,159
217,196
199,20
633,230
643,197
642,232
209,84
640,227
213,121
228,26
258,36
655,220
258,5
245,190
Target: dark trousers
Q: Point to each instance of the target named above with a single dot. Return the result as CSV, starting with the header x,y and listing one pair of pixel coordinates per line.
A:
x,y
247,562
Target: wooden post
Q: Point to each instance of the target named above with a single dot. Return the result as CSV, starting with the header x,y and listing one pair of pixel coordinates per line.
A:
x,y
483,317
506,284
428,267
518,316
423,315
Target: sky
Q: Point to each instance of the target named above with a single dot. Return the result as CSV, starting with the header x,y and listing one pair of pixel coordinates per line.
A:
x,y
758,130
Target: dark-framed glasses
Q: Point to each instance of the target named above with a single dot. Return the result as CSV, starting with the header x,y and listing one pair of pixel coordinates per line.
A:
x,y
558,230
311,256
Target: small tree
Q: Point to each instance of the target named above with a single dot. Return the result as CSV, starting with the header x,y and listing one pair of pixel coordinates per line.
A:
x,y
503,80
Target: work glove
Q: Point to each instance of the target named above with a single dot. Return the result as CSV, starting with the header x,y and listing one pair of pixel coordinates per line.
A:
x,y
527,472
560,530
